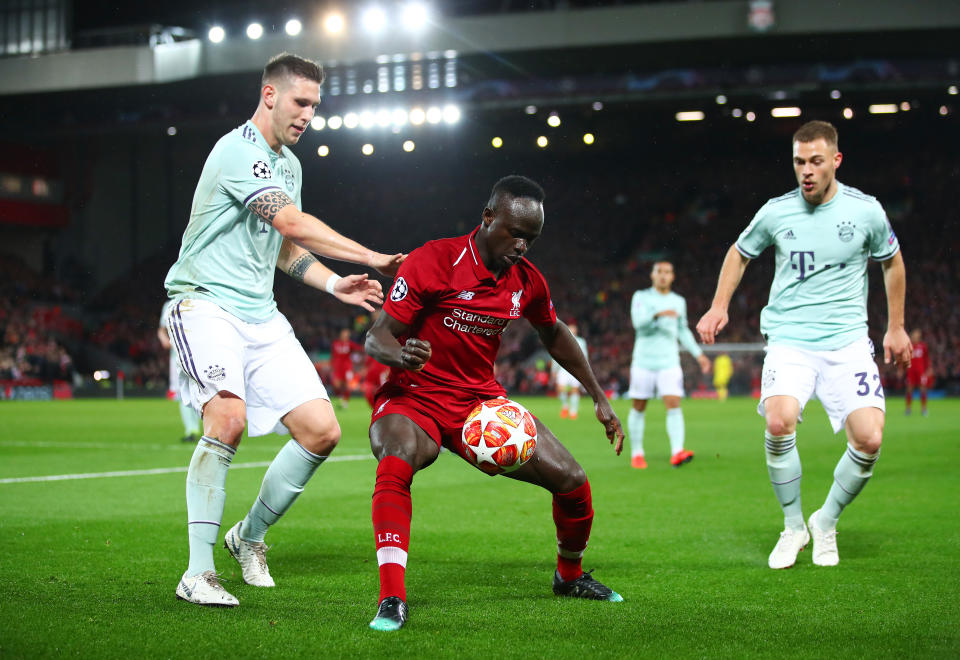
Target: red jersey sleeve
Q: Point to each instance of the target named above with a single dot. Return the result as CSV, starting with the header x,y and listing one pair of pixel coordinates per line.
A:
x,y
539,311
413,287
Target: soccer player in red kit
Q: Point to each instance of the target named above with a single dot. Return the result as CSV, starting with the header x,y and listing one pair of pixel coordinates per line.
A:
x,y
919,373
342,351
439,332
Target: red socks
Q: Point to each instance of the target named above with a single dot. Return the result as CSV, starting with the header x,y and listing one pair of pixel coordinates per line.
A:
x,y
392,510
573,515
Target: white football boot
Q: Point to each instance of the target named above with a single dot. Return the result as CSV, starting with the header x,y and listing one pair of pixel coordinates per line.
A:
x,y
791,542
252,558
825,551
205,589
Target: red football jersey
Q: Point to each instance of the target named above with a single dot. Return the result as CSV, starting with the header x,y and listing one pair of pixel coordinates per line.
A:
x,y
920,362
341,352
448,297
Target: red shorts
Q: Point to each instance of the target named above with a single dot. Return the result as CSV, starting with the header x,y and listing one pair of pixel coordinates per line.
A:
x,y
440,412
917,379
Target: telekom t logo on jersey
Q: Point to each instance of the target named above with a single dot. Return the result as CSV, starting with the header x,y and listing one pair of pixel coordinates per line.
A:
x,y
802,261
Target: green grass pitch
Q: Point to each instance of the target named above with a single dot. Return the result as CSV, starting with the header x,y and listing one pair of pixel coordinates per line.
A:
x,y
88,566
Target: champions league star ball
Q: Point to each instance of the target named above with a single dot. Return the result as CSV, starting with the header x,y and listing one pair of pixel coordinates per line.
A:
x,y
499,436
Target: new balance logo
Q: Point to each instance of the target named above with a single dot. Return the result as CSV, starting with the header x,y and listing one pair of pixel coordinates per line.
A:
x,y
465,295
789,236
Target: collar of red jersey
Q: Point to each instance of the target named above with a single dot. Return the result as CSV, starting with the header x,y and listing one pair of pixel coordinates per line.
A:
x,y
480,269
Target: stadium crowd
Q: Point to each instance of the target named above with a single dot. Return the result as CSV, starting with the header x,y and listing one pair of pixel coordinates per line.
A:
x,y
35,324
606,224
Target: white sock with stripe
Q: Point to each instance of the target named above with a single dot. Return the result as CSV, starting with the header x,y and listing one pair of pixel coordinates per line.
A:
x,y
783,466
282,484
206,477
850,476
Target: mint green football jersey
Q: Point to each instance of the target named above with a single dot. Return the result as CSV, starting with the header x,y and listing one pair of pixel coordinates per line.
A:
x,y
229,255
818,299
655,345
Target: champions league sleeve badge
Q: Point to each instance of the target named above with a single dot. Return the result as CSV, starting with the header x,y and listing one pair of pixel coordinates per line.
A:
x,y
399,291
261,170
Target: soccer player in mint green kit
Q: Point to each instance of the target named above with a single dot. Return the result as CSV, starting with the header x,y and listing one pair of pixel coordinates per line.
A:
x,y
243,365
568,387
659,318
815,325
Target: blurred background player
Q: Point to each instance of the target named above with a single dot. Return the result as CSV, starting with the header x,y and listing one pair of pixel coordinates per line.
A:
x,y
660,320
374,373
920,372
342,351
441,345
568,387
815,324
722,373
192,428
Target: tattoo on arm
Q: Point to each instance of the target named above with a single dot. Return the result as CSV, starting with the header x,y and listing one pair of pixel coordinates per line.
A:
x,y
298,269
268,205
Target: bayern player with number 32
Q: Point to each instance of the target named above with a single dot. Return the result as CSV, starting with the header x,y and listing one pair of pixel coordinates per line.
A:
x,y
815,325
439,331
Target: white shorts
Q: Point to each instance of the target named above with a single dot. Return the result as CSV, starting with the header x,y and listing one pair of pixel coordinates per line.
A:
x,y
262,363
843,380
645,384
566,379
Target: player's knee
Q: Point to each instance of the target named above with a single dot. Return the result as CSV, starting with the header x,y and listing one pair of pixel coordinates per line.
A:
x,y
227,429
320,440
868,441
573,478
778,425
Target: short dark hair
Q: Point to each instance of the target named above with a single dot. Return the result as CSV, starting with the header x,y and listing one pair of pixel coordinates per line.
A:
x,y
288,64
515,185
817,129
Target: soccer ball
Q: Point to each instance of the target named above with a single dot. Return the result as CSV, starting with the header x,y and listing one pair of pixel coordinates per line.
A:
x,y
499,436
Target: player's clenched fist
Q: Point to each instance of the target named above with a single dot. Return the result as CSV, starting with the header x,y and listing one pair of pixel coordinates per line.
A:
x,y
414,354
710,324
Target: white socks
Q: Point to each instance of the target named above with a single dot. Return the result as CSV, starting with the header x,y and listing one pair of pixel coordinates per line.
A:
x,y
190,419
282,484
206,477
783,466
635,425
850,476
675,429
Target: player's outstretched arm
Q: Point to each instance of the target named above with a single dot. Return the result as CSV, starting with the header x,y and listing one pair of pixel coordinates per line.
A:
x,y
351,289
716,317
896,342
314,235
382,345
562,346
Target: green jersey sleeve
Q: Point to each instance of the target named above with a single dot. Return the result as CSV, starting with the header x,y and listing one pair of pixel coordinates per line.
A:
x,y
881,237
757,237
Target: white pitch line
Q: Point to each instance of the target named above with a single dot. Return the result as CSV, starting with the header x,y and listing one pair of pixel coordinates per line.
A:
x,y
171,470
60,444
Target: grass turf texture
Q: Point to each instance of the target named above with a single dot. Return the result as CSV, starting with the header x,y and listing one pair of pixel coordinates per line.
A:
x,y
89,566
